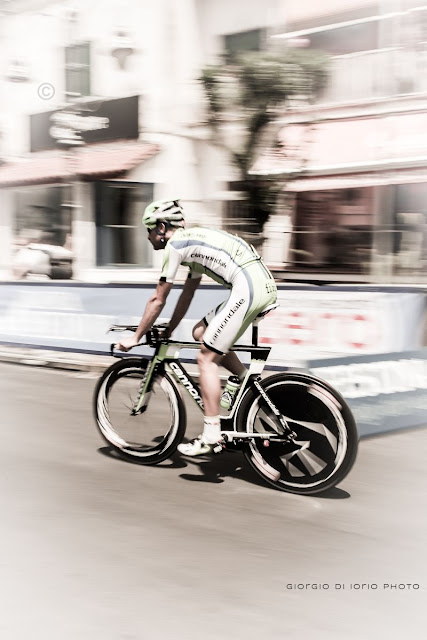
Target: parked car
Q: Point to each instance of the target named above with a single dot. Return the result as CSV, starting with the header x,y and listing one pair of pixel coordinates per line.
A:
x,y
43,260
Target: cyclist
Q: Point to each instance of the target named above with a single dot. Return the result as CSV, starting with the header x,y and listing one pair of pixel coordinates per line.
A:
x,y
231,262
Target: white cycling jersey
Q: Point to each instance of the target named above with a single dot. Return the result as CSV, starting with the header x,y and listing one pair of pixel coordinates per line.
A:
x,y
217,254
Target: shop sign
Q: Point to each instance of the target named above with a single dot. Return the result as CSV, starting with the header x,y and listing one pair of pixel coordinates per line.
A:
x,y
87,123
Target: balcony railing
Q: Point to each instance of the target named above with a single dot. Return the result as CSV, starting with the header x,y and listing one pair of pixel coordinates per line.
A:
x,y
376,74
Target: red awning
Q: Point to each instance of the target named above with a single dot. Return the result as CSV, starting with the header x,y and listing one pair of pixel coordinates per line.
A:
x,y
87,163
40,170
97,163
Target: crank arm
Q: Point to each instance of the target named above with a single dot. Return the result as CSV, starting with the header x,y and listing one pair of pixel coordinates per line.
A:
x,y
137,413
230,436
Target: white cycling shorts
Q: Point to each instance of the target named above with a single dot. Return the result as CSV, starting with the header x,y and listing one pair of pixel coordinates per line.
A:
x,y
252,291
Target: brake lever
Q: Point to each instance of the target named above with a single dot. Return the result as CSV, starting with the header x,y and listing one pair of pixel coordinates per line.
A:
x,y
114,355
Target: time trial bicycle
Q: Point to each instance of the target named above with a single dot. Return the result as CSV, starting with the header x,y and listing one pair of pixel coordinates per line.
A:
x,y
296,431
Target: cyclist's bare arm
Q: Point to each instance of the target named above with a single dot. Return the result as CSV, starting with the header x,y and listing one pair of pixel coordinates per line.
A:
x,y
183,303
152,311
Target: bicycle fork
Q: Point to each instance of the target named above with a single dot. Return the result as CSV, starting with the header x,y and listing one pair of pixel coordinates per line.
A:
x,y
145,387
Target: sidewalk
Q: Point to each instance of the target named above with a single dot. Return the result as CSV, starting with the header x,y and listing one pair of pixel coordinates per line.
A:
x,y
69,360
55,359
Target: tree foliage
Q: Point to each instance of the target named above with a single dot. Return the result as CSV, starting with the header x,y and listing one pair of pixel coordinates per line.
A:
x,y
252,91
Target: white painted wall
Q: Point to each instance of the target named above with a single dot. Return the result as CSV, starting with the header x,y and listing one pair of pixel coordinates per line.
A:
x,y
306,9
36,39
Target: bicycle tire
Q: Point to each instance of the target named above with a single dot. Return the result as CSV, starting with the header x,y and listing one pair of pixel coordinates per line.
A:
x,y
325,427
147,438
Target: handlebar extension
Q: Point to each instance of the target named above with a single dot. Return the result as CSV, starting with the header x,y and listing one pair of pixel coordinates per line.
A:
x,y
152,337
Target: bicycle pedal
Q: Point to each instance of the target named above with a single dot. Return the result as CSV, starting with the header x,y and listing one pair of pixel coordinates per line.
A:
x,y
218,448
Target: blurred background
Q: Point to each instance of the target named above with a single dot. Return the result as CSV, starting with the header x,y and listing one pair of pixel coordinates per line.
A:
x,y
299,125
302,126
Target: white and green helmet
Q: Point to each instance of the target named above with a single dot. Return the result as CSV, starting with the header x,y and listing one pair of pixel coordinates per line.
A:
x,y
168,211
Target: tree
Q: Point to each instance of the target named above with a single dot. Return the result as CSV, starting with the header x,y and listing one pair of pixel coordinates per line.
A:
x,y
244,97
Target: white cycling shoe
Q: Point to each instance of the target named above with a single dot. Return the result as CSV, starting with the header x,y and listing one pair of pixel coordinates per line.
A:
x,y
198,447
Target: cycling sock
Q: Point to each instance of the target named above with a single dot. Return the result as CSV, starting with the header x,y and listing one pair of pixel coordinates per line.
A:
x,y
211,429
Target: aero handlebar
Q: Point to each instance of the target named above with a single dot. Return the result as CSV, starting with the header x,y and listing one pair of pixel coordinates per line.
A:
x,y
152,338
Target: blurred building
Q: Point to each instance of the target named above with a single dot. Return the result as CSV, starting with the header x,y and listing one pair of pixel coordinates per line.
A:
x,y
354,165
101,112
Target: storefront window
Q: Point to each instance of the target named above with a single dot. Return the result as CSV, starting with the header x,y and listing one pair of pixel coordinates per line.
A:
x,y
120,237
333,231
410,222
42,215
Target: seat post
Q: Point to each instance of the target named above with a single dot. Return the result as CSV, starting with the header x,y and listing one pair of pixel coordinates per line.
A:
x,y
258,319
255,333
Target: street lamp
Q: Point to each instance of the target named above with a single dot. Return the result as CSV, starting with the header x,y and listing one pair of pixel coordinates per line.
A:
x,y
122,48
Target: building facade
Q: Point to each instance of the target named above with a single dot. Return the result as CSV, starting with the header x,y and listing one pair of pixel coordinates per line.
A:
x,y
354,164
101,112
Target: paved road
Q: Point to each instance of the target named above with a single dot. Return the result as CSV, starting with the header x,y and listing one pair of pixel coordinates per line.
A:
x,y
94,548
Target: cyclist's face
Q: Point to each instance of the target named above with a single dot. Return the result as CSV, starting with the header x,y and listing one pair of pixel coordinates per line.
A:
x,y
158,241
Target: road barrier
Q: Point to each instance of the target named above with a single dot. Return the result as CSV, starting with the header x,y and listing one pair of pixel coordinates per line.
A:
x,y
366,341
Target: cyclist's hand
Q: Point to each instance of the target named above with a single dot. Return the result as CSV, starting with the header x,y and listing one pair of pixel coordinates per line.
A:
x,y
126,344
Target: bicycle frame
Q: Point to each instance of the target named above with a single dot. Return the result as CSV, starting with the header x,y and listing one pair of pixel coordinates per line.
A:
x,y
167,353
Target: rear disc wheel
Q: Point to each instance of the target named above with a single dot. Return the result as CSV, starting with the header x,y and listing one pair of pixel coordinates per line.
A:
x,y
326,443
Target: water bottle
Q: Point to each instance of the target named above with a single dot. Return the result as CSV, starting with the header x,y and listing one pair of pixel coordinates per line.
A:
x,y
230,392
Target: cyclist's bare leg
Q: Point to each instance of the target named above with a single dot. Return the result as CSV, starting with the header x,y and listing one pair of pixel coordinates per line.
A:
x,y
230,361
210,388
210,384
